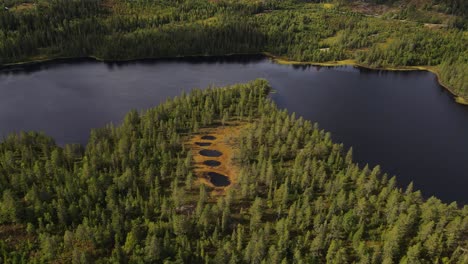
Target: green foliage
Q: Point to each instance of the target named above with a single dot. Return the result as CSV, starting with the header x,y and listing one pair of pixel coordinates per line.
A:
x,y
453,74
297,30
125,197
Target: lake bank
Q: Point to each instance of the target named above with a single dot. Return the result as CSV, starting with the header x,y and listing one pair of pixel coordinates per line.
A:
x,y
392,118
277,59
352,62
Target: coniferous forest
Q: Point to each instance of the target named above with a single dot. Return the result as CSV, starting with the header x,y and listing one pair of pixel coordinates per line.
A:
x,y
428,33
130,195
137,193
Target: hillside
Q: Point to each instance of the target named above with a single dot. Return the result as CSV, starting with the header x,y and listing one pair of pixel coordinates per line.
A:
x,y
141,193
408,35
427,8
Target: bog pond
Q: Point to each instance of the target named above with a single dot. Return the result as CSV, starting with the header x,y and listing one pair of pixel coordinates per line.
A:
x,y
404,121
217,179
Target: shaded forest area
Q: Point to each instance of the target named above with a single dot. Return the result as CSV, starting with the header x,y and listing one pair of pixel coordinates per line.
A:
x,y
129,196
33,30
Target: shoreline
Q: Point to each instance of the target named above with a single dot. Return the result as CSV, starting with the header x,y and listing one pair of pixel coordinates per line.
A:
x,y
350,62
276,59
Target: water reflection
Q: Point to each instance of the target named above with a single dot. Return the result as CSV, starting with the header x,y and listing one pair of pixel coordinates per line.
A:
x,y
403,121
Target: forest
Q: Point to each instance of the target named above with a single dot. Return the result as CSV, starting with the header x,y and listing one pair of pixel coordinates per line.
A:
x,y
130,195
431,34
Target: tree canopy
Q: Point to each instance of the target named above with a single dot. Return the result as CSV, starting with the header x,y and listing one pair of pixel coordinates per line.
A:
x,y
303,31
128,195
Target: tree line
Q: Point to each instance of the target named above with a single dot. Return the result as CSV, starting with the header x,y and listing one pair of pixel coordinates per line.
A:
x,y
297,30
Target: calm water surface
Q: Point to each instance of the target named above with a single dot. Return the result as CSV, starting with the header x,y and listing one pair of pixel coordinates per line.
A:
x,y
403,121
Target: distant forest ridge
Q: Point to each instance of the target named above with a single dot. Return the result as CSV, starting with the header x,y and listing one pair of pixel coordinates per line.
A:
x,y
452,7
430,34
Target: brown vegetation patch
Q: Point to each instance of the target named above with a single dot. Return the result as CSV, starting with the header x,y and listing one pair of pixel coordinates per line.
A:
x,y
23,7
226,142
370,8
14,234
435,26
108,3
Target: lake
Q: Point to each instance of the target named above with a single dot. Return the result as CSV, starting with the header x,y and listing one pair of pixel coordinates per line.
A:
x,y
404,121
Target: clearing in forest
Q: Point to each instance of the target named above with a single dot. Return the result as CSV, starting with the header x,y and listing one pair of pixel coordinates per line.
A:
x,y
213,151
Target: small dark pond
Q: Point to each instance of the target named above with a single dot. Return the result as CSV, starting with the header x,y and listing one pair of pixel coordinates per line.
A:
x,y
210,153
203,144
212,163
208,137
217,179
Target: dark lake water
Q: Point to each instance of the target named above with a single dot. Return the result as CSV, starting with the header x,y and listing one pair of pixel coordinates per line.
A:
x,y
403,121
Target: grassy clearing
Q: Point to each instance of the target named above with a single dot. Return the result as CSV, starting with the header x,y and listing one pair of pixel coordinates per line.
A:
x,y
226,142
286,61
14,234
461,100
333,40
23,7
387,43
